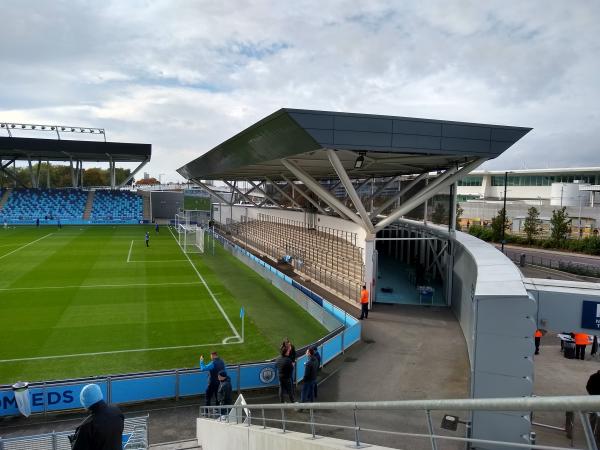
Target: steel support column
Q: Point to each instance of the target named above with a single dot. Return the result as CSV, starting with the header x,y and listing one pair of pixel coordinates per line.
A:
x,y
5,170
211,192
314,186
132,174
267,196
390,201
282,192
428,192
304,194
235,188
345,179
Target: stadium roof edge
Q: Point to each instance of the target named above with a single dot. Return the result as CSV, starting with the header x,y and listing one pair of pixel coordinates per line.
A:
x,y
25,148
390,145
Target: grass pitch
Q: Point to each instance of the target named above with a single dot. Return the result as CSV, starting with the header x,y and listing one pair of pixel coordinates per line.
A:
x,y
82,301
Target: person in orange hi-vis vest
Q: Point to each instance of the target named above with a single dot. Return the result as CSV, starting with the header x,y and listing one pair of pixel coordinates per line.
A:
x,y
364,302
538,338
581,340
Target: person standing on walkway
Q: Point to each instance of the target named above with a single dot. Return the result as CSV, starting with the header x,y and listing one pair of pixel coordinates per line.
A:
x,y
285,371
364,302
581,340
310,377
214,368
538,338
147,238
224,397
103,428
318,358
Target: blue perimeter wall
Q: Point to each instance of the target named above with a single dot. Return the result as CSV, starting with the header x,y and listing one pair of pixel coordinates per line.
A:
x,y
172,384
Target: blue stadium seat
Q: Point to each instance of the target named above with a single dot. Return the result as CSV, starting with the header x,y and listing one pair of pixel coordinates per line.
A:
x,y
47,205
117,207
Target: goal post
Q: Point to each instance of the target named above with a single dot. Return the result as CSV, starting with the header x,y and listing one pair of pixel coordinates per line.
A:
x,y
190,232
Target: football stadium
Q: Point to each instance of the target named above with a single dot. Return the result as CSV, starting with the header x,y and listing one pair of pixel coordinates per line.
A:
x,y
307,233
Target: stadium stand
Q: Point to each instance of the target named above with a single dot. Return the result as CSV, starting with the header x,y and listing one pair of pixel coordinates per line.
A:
x,y
47,205
116,207
323,255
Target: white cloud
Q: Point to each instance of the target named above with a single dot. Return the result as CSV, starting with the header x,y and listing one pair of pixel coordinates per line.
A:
x,y
185,76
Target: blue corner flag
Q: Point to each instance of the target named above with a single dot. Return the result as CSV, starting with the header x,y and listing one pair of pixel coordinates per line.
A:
x,y
242,312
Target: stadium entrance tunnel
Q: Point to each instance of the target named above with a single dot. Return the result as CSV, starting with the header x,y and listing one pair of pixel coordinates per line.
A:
x,y
412,266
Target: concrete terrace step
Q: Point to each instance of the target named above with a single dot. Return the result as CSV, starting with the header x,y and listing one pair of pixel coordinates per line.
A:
x,y
177,445
88,205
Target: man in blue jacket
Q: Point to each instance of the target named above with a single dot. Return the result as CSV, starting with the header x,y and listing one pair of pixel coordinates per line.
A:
x,y
214,367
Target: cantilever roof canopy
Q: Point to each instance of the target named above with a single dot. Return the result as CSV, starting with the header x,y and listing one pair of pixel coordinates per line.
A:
x,y
390,145
20,148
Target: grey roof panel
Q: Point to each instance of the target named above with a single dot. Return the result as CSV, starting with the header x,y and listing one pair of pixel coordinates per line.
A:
x,y
303,135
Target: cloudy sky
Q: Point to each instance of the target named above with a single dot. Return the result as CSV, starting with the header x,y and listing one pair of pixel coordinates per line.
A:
x,y
186,75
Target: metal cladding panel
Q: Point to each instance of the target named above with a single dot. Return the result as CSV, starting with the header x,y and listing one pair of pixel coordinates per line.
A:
x,y
363,138
313,120
500,426
505,355
466,131
323,137
376,125
466,145
417,127
507,134
416,141
492,385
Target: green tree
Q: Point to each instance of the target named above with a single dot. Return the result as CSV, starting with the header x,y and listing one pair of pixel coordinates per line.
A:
x,y
497,225
459,213
439,215
560,224
532,225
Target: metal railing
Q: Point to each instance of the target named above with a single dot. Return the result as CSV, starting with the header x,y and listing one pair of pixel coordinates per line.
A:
x,y
263,414
577,268
135,437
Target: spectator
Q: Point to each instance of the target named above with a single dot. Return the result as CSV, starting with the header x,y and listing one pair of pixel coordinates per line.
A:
x,y
318,358
285,371
103,429
310,377
224,392
286,344
214,368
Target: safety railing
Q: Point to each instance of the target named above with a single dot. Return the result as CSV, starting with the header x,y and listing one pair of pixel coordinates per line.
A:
x,y
578,268
135,437
304,417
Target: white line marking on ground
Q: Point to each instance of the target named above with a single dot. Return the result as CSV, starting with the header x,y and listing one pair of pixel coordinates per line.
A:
x,y
136,350
96,286
237,335
129,254
158,260
26,245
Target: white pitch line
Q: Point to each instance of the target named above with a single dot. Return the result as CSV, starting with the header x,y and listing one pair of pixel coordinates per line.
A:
x,y
129,254
208,289
135,350
158,260
96,286
26,245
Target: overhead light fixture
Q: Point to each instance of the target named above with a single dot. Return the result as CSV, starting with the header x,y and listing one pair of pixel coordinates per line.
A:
x,y
73,129
22,126
360,160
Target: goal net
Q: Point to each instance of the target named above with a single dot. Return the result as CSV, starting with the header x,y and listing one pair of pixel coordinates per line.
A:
x,y
190,233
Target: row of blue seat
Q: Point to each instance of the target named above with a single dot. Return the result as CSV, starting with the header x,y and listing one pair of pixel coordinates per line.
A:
x,y
68,205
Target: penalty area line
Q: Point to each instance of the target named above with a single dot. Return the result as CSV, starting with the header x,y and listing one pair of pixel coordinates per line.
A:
x,y
115,352
26,245
237,335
